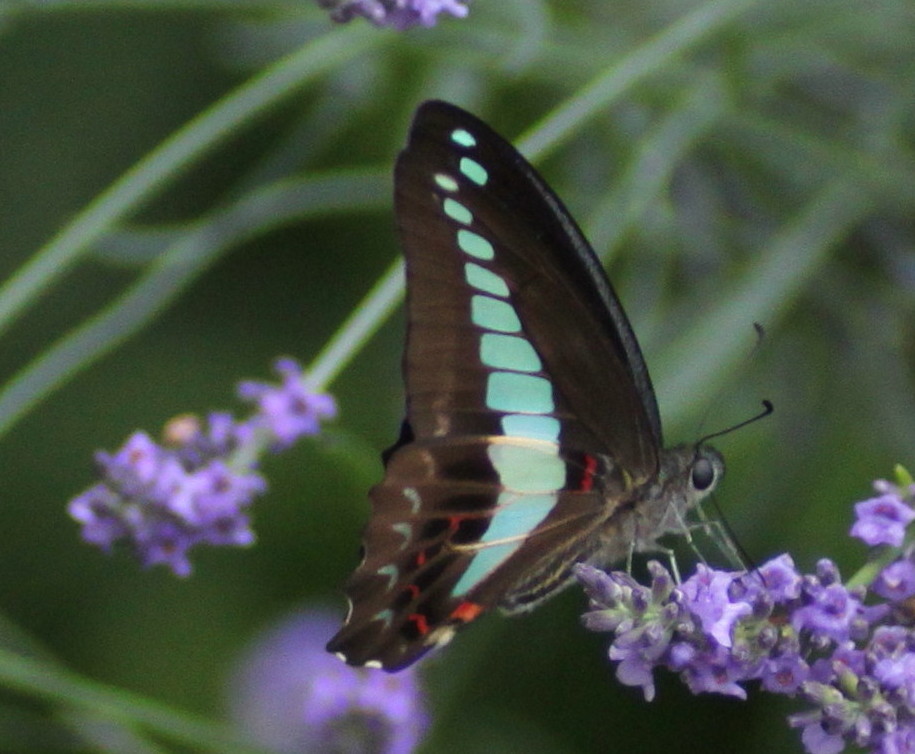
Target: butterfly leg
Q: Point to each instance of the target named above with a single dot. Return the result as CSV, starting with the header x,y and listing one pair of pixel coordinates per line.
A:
x,y
718,532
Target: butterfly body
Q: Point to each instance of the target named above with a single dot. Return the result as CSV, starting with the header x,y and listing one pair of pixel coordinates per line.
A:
x,y
532,440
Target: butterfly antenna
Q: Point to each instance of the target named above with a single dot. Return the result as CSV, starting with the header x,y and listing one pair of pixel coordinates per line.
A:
x,y
716,399
768,409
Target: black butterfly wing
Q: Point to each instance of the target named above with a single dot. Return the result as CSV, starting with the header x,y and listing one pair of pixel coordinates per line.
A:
x,y
443,546
557,286
528,402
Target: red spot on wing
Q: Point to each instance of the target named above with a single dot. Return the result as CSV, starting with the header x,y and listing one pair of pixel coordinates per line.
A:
x,y
420,558
588,473
466,611
419,620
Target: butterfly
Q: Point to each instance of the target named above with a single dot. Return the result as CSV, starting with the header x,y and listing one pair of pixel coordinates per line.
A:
x,y
532,439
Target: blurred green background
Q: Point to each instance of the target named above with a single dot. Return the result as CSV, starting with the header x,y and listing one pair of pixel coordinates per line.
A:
x,y
735,162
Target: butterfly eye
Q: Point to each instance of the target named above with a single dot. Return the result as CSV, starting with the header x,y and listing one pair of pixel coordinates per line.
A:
x,y
703,474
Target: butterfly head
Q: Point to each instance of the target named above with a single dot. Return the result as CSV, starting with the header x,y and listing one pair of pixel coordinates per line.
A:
x,y
689,473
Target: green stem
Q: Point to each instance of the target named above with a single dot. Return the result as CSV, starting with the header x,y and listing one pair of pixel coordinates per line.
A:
x,y
648,58
44,681
361,324
173,156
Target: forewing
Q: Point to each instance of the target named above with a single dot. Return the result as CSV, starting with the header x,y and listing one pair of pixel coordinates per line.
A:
x,y
492,254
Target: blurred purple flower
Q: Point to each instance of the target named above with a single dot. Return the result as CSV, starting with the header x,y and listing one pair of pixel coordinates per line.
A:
x,y
290,410
882,520
290,695
397,14
844,651
195,488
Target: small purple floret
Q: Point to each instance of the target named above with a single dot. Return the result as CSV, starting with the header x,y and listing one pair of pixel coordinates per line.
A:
x,y
396,14
882,520
896,582
828,614
290,410
707,593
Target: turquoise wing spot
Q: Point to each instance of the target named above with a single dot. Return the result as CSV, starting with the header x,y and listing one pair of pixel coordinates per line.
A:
x,y
520,515
390,571
413,496
525,469
485,280
385,616
457,211
405,531
519,393
493,314
474,171
482,564
509,352
532,426
446,182
462,137
475,245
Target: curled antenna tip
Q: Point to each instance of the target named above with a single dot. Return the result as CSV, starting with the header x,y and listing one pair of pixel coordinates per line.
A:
x,y
768,408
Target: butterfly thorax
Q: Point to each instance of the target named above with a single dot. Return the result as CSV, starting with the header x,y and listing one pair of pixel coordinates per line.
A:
x,y
660,506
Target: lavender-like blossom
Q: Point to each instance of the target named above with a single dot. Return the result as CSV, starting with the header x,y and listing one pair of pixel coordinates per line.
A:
x,y
847,651
289,695
288,411
397,14
882,520
195,487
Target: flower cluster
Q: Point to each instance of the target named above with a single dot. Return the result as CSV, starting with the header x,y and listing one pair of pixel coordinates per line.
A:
x,y
196,486
289,695
397,14
847,651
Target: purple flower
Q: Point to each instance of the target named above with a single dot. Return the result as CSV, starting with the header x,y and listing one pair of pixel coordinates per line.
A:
x,y
781,579
290,410
785,674
818,741
196,487
882,520
707,593
896,582
290,695
846,653
398,14
829,612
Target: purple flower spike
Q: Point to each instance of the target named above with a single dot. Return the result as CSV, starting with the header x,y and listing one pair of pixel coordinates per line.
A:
x,y
289,695
882,520
196,487
843,651
152,497
397,14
